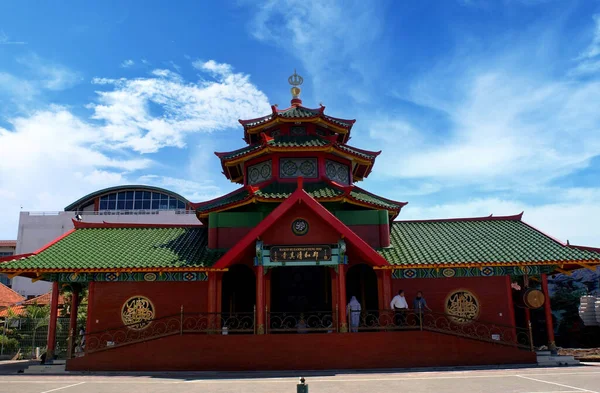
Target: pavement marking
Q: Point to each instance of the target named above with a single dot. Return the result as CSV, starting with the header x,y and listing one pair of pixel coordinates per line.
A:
x,y
64,387
558,384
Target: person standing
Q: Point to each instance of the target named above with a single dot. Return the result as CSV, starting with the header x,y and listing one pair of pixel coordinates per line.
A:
x,y
353,310
400,306
419,304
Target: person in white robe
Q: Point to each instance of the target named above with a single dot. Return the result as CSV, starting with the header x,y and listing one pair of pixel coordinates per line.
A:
x,y
353,310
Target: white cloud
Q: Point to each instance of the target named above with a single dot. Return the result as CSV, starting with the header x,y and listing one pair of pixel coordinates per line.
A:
x,y
574,219
127,63
195,191
507,124
146,114
588,61
327,38
49,75
5,40
52,157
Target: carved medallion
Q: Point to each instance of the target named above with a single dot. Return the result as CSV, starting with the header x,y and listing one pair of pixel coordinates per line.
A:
x,y
137,312
462,306
300,227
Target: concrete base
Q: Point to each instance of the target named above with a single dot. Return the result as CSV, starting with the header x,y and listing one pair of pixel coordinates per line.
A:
x,y
57,367
545,358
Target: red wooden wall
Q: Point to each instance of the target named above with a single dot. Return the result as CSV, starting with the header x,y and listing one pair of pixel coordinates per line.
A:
x,y
495,300
301,352
167,297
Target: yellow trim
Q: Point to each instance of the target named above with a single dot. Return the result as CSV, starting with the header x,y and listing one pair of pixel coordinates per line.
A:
x,y
585,265
277,120
12,275
568,273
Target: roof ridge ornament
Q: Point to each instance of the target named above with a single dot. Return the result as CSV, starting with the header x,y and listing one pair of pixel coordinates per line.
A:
x,y
295,80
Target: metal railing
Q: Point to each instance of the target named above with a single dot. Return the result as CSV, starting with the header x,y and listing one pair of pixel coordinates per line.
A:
x,y
177,324
388,320
111,212
302,322
308,322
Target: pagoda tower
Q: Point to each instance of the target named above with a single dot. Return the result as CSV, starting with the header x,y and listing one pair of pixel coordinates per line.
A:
x,y
291,143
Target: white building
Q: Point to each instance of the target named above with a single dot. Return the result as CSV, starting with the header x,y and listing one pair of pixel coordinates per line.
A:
x,y
123,204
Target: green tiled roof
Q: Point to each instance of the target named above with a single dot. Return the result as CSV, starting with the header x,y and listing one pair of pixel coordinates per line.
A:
x,y
295,141
114,248
281,141
364,196
236,196
357,152
475,241
297,112
284,190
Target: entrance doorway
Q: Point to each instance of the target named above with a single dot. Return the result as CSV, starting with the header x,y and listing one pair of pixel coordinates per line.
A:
x,y
301,289
361,281
238,290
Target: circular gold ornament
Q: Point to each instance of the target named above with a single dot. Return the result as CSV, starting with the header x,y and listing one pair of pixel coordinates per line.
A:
x,y
462,306
137,312
534,298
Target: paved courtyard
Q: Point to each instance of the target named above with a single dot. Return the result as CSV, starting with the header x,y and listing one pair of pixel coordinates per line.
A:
x,y
518,380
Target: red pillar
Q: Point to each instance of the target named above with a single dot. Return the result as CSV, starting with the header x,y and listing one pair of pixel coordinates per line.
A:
x,y
548,311
342,298
73,318
387,288
90,308
52,324
511,304
212,300
260,300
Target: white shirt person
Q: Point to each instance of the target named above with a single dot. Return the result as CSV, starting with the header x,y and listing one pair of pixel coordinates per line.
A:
x,y
399,301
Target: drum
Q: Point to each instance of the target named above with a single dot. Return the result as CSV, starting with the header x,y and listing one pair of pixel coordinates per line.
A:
x,y
533,298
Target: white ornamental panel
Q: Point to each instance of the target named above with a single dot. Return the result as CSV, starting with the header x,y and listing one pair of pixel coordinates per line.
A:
x,y
587,310
337,172
296,167
259,172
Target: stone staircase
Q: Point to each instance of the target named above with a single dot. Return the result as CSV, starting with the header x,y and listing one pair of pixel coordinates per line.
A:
x,y
546,358
57,367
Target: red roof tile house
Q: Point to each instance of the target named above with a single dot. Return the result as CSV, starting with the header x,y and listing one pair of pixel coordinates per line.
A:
x,y
299,267
8,297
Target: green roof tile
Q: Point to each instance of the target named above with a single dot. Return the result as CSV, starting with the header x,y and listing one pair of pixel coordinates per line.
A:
x,y
236,196
284,190
365,196
297,112
474,241
115,248
295,141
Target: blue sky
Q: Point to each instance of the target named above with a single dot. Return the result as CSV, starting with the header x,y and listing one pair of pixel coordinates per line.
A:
x,y
479,107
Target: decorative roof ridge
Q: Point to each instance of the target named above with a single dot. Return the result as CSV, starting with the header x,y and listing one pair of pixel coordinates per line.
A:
x,y
45,247
402,204
363,151
584,248
196,205
316,111
491,217
351,121
107,225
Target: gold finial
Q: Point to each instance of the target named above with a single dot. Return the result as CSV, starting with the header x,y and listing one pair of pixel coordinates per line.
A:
x,y
295,80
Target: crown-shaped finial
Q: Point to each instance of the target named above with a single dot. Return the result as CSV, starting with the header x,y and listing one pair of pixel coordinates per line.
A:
x,y
295,80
